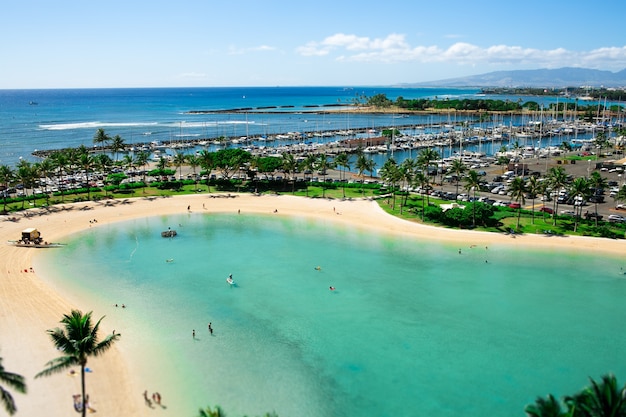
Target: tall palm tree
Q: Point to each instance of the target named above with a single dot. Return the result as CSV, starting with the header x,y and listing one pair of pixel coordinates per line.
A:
x,y
101,138
46,167
117,145
545,407
194,162
597,182
557,178
361,166
309,164
25,176
323,165
77,341
472,183
579,190
458,168
421,180
87,163
518,192
61,165
179,160
406,172
604,399
141,160
103,162
14,381
533,188
342,160
290,165
207,163
390,174
7,175
426,159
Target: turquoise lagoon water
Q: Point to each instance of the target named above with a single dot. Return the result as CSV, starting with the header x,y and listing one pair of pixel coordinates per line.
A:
x,y
413,327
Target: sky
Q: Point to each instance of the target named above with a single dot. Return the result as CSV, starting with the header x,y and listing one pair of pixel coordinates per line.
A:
x,y
208,43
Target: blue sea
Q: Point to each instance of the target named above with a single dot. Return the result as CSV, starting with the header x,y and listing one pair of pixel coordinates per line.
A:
x,y
53,119
413,328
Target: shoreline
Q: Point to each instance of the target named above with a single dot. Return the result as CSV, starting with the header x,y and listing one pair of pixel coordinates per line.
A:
x,y
31,306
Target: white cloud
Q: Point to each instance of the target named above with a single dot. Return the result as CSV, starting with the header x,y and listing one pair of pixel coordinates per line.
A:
x,y
395,48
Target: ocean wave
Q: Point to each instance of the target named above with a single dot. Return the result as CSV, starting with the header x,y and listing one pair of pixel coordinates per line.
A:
x,y
92,125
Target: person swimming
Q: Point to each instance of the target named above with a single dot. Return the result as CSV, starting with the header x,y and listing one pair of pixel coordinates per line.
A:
x,y
169,260
318,268
331,288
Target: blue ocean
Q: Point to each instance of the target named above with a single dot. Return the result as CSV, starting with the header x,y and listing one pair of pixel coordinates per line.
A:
x,y
413,328
33,120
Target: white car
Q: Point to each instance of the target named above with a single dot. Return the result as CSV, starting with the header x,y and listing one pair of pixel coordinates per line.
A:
x,y
615,218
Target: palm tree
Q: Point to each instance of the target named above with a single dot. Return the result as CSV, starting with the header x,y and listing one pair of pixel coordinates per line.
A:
x,y
390,174
194,163
597,182
101,138
7,176
87,163
343,161
533,188
426,158
579,190
179,160
290,165
77,341
103,162
14,381
323,165
24,175
545,407
472,183
61,164
117,145
458,168
557,178
46,167
421,180
406,172
207,162
518,191
309,164
141,160
604,399
361,166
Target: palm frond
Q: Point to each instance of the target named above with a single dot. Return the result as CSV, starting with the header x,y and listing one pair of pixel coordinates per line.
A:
x,y
7,400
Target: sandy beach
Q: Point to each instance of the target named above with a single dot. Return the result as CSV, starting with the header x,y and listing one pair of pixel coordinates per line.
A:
x,y
30,306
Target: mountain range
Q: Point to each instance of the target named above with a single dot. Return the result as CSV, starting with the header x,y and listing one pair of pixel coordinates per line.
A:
x,y
538,78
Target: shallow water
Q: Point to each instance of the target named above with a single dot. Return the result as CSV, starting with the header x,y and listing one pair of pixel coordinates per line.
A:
x,y
413,328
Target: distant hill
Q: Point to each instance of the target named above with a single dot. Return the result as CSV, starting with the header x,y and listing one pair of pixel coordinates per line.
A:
x,y
539,78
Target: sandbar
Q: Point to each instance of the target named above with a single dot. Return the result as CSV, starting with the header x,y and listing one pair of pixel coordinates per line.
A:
x,y
30,305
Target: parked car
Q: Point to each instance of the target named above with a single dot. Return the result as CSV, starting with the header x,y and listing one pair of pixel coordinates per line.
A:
x,y
515,205
615,218
545,209
620,207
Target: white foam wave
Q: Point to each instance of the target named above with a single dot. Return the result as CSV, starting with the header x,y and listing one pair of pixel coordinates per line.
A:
x,y
92,125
